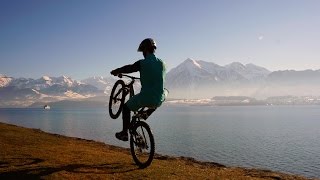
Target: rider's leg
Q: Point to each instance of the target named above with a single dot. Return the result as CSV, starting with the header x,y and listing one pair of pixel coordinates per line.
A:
x,y
126,115
150,111
133,104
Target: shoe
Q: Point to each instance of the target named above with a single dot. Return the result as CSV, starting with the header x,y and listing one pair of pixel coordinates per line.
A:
x,y
123,136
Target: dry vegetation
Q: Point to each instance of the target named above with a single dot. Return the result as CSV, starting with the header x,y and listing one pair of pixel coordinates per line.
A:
x,y
33,154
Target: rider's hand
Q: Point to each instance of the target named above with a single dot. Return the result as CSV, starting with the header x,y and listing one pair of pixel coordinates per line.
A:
x,y
113,72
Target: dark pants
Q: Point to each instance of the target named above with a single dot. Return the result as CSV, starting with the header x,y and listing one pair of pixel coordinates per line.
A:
x,y
126,116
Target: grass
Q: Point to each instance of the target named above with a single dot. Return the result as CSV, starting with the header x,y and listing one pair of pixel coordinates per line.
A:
x,y
33,154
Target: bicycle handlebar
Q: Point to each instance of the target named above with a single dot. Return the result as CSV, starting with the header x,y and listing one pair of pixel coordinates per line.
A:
x,y
132,77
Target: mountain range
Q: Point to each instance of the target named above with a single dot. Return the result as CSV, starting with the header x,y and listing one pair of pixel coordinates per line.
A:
x,y
202,79
194,74
25,91
190,79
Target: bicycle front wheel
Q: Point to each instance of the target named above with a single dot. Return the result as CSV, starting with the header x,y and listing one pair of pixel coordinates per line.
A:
x,y
142,144
116,100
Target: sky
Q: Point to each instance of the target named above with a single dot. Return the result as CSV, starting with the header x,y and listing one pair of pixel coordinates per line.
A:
x,y
84,38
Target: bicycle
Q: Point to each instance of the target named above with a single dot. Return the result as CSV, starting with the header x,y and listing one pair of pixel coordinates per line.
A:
x,y
142,145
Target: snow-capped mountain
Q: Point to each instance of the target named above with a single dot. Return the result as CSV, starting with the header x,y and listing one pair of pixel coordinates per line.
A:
x,y
44,82
188,74
25,91
197,73
106,83
201,79
28,90
102,83
249,71
4,80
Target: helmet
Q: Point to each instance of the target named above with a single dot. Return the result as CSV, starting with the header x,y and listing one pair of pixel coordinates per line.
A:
x,y
148,43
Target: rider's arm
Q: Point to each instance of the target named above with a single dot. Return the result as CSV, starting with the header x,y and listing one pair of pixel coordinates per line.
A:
x,y
127,68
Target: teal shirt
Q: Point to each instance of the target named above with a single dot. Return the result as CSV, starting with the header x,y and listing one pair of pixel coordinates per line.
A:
x,y
152,77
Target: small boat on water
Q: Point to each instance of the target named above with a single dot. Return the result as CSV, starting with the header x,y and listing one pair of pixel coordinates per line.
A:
x,y
47,107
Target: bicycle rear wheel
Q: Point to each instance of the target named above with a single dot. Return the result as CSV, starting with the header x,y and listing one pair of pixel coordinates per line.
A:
x,y
142,144
116,100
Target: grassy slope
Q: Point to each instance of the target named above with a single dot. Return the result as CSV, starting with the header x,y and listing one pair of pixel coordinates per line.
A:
x,y
29,153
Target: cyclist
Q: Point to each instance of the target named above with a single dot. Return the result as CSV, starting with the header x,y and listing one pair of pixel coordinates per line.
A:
x,y
152,75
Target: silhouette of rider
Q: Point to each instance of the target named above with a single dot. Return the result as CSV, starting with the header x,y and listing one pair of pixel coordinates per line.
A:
x,y
152,75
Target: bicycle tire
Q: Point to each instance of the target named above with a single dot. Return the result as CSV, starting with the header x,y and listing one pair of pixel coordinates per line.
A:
x,y
145,159
116,100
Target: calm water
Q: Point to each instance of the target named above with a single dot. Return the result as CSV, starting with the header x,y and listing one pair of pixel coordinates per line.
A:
x,y
281,138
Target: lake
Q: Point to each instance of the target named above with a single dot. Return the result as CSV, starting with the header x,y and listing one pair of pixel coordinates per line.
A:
x,y
280,138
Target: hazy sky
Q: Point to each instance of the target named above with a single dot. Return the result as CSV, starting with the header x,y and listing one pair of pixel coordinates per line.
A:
x,y
82,38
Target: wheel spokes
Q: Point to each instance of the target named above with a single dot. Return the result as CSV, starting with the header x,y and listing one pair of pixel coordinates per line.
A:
x,y
141,142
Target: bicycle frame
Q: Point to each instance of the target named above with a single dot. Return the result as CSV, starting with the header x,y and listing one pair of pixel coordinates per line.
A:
x,y
142,113
128,87
141,137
